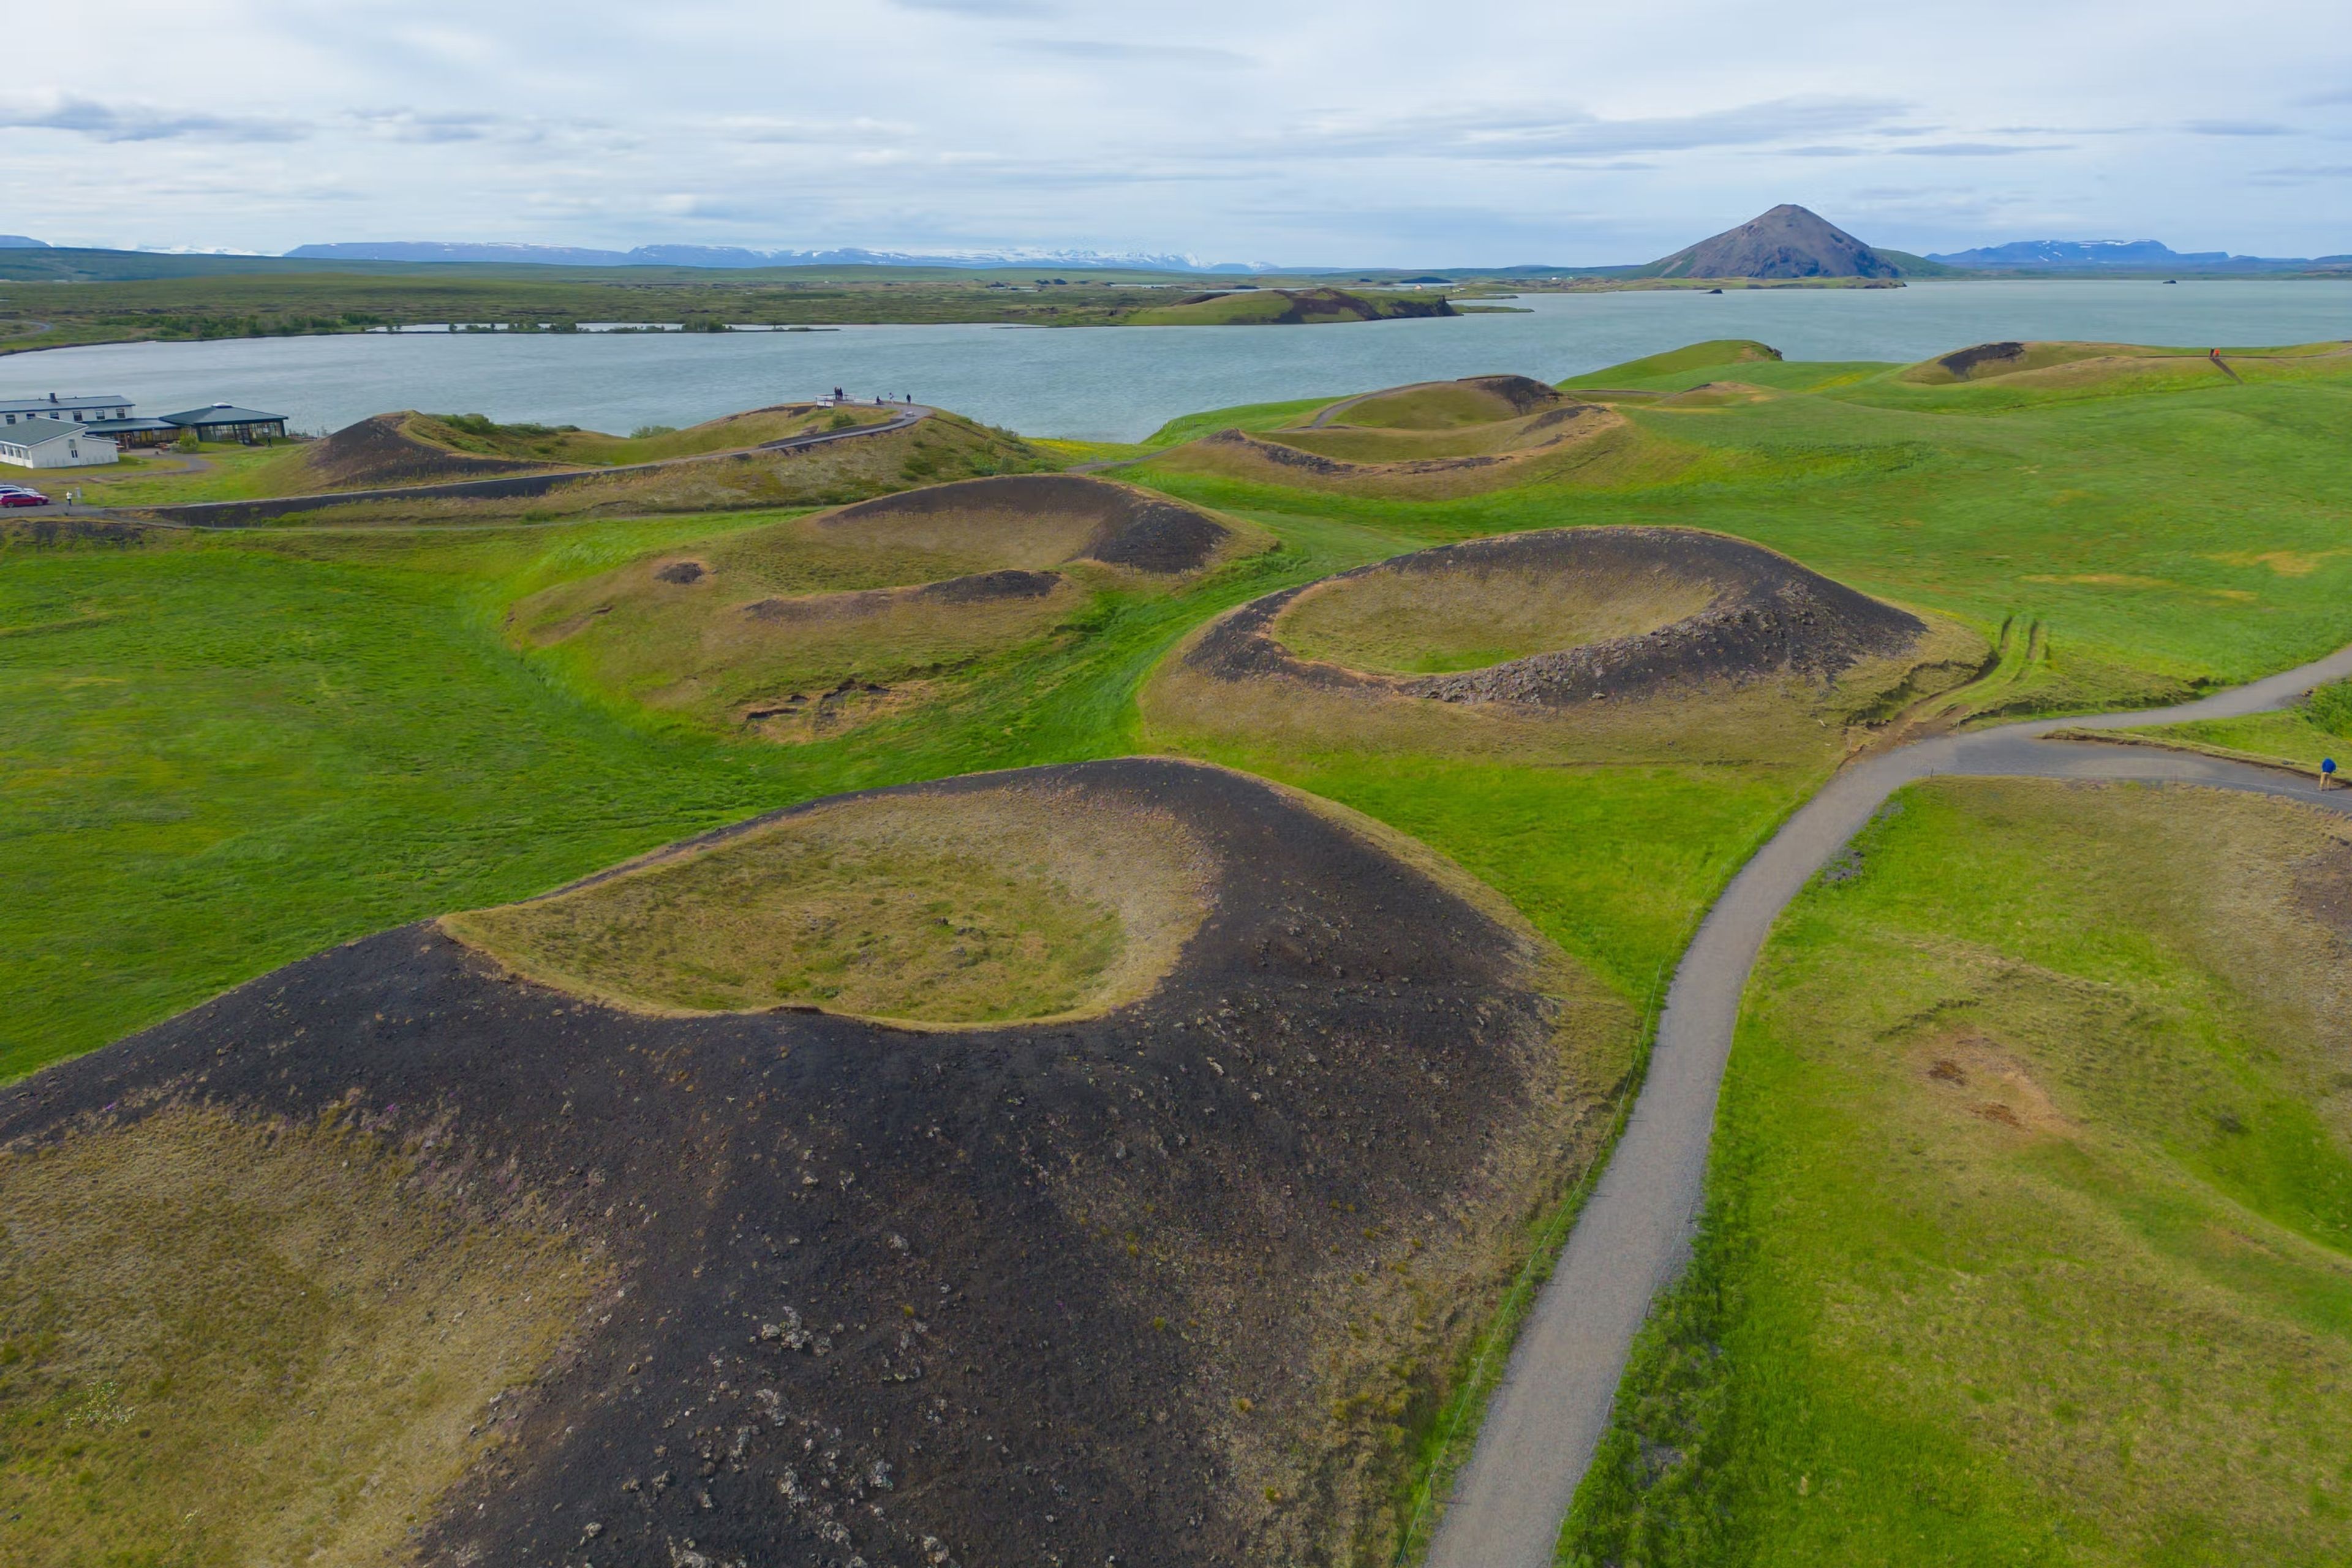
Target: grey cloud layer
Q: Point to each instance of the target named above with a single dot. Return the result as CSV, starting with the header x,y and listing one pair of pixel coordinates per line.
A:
x,y
138,122
1367,131
1562,132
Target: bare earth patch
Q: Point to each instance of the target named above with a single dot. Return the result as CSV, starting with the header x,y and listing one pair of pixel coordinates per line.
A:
x,y
1989,1082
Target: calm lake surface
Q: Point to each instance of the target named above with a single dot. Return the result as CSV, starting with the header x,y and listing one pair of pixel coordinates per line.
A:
x,y
1123,383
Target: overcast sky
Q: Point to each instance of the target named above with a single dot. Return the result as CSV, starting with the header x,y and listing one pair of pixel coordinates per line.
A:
x,y
1298,131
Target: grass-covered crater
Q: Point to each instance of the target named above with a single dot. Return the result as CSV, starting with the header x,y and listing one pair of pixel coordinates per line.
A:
x,y
801,628
1431,441
1451,610
980,900
1567,615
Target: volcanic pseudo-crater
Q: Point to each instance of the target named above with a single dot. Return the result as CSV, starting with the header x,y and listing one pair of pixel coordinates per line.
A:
x,y
803,628
1427,440
1174,1273
1561,616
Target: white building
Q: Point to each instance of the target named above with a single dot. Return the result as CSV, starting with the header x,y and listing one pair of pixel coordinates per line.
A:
x,y
53,444
77,409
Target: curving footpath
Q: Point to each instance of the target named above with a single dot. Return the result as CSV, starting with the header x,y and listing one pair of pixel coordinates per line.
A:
x,y
1634,1235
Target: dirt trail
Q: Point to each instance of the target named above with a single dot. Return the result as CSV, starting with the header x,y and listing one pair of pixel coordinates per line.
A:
x,y
1634,1235
1327,414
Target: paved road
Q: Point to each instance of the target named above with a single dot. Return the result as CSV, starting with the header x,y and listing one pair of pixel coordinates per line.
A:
x,y
1635,1233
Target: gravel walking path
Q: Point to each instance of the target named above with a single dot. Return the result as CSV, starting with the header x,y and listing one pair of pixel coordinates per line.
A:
x,y
1634,1235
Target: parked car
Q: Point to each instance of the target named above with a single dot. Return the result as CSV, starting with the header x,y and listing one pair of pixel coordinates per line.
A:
x,y
16,495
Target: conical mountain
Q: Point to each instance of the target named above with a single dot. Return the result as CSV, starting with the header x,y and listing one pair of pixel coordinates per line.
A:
x,y
1786,242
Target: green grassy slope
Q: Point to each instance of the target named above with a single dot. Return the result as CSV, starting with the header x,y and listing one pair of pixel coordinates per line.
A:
x,y
227,753
2030,1226
1678,362
1247,417
2318,728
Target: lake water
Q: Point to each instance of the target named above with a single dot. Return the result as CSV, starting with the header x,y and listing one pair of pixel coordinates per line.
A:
x,y
1122,383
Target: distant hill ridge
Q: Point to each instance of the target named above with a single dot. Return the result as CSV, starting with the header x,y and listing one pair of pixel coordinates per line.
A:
x,y
739,256
2140,255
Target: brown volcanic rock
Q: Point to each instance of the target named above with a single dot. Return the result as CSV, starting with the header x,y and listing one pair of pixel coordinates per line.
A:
x,y
1088,1290
1786,242
1768,617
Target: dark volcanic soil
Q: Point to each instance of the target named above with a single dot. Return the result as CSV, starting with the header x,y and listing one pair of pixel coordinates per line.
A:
x,y
1769,616
988,587
1525,394
50,532
1014,1295
1131,527
376,452
1963,363
979,588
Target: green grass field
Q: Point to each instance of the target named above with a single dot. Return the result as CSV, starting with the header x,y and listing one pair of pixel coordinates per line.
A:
x,y
2030,1226
228,751
208,473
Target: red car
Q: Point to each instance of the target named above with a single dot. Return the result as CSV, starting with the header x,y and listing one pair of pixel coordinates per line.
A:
x,y
11,495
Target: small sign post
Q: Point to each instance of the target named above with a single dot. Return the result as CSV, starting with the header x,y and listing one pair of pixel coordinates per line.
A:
x,y
2327,771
